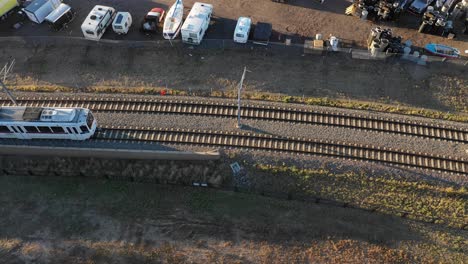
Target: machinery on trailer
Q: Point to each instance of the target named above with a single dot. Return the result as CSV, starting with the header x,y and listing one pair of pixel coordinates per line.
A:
x,y
436,22
383,40
23,122
378,9
419,6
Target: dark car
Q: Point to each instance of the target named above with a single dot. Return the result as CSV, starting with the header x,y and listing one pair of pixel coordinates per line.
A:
x,y
419,6
152,19
262,33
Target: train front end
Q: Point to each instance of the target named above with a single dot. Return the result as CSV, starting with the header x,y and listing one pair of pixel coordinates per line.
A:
x,y
90,124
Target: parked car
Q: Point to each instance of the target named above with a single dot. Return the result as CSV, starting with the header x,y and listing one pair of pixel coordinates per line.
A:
x,y
152,19
401,5
241,33
419,6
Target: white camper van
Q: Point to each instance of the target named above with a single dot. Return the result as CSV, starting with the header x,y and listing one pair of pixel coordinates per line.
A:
x,y
241,33
122,22
97,21
197,23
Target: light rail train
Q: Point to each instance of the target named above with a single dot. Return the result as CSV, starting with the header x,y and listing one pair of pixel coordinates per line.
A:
x,y
23,122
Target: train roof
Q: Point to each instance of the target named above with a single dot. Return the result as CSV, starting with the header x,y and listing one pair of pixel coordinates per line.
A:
x,y
38,114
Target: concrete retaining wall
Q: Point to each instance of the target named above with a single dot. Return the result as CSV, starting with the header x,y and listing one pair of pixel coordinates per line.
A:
x,y
185,172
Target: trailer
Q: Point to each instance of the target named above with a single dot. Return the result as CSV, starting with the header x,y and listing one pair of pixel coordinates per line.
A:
x,y
262,33
197,22
38,10
242,31
97,22
60,17
6,6
122,22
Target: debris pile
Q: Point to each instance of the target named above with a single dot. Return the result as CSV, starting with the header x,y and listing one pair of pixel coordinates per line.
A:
x,y
382,40
378,9
436,22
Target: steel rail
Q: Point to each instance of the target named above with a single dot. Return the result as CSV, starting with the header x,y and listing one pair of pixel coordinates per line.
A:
x,y
293,115
285,144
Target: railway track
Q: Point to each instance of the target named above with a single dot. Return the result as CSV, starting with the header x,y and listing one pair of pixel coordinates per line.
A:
x,y
284,144
170,106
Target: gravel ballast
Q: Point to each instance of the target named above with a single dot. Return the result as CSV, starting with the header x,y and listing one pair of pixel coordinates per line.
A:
x,y
318,132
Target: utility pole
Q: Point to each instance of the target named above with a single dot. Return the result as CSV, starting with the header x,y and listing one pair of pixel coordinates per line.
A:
x,y
5,71
239,125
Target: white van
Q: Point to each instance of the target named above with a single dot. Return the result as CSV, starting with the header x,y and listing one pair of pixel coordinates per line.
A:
x,y
97,22
197,22
122,22
241,33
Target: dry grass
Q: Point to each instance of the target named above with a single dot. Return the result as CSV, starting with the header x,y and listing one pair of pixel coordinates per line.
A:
x,y
9,244
91,221
135,87
391,194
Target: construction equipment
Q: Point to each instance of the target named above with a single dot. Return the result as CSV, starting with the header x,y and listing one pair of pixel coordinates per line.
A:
x,y
377,9
382,40
436,22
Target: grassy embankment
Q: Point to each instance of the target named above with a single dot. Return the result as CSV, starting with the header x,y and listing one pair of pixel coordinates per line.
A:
x,y
433,202
86,221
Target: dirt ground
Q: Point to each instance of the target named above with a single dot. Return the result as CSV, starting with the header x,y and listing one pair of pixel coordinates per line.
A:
x,y
58,220
299,19
81,66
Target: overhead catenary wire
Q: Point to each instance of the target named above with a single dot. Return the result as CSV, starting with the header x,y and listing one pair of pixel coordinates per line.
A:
x,y
5,71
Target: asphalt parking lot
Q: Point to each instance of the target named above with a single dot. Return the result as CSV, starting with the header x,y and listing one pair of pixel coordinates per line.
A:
x,y
298,19
222,30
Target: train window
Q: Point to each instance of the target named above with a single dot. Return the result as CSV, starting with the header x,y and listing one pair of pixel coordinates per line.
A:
x,y
75,130
4,129
45,130
16,129
69,131
84,129
90,119
58,130
31,129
